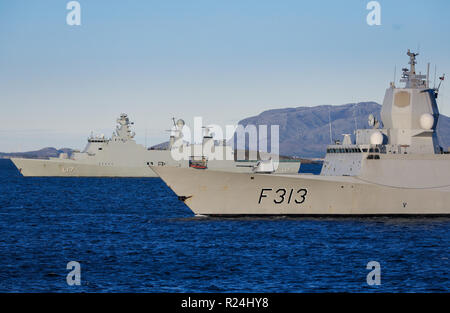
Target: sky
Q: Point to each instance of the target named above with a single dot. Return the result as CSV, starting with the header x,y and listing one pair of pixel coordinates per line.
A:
x,y
221,60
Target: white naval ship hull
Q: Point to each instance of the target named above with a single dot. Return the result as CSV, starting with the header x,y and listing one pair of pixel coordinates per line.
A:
x,y
216,193
69,168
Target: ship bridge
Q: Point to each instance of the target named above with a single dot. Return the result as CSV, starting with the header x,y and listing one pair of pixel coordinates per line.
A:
x,y
409,117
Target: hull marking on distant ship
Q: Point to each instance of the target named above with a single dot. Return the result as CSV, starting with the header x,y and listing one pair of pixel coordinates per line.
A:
x,y
67,169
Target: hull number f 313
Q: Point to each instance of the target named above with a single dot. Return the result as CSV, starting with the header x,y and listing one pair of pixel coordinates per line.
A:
x,y
283,195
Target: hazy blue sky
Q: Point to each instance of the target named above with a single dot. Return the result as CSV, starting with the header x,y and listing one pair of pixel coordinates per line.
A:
x,y
223,60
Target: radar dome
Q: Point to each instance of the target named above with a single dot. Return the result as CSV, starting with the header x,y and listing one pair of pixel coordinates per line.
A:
x,y
180,123
376,138
426,121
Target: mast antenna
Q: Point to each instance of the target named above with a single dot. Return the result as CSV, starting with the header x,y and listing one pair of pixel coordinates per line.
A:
x,y
329,121
441,80
146,138
395,73
435,73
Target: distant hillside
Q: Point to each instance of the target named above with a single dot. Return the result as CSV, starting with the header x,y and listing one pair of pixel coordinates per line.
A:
x,y
38,154
305,131
161,146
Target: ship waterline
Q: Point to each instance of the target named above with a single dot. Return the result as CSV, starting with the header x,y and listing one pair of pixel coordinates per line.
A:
x,y
70,168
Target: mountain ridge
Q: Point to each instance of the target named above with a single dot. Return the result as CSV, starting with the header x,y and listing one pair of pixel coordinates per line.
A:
x,y
43,153
304,131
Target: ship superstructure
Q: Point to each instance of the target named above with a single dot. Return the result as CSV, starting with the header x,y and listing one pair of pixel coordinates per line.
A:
x,y
409,116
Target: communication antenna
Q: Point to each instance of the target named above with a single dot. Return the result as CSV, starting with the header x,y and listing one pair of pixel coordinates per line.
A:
x,y
146,138
354,116
435,73
441,80
329,121
395,73
443,97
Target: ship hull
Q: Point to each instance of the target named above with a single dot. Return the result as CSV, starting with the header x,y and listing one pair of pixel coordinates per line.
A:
x,y
216,193
71,168
67,168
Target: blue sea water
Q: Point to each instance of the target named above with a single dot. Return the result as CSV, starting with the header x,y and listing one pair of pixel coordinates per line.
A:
x,y
133,235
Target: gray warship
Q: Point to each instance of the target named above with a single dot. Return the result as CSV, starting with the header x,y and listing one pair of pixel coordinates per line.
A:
x,y
118,156
121,156
395,167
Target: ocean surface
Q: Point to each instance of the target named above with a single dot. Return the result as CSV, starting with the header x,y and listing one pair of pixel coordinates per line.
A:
x,y
133,235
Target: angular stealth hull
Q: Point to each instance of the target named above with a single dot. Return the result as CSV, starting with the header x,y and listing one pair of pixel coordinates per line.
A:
x,y
218,193
70,168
